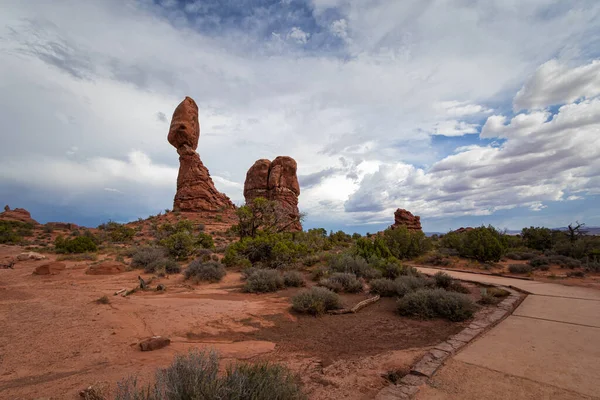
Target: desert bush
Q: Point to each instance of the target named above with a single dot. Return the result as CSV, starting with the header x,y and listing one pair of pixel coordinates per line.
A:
x,y
204,254
210,271
368,248
103,300
319,273
403,243
537,238
492,295
342,282
311,260
293,279
592,266
541,263
196,376
575,274
442,280
179,245
205,241
408,283
141,257
316,301
263,281
564,261
384,287
115,232
520,268
483,244
79,244
458,287
167,265
353,265
273,250
12,232
432,303
514,255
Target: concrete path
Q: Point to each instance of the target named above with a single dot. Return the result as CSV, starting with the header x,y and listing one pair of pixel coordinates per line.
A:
x,y
549,348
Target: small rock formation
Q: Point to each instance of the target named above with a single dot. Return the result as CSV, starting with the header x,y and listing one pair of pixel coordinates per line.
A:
x,y
275,181
195,189
30,256
51,268
405,218
18,214
154,343
106,268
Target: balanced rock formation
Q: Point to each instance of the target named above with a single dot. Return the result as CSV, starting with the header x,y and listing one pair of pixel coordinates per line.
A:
x,y
405,218
277,181
18,214
195,188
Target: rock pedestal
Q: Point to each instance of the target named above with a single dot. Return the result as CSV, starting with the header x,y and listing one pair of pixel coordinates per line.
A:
x,y
195,188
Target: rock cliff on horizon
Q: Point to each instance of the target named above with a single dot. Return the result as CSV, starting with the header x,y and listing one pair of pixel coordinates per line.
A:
x,y
406,218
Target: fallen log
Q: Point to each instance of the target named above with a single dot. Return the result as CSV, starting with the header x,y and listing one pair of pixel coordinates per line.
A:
x,y
356,308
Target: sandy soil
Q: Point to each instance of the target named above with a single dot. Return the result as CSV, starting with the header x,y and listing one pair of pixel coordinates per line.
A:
x,y
56,340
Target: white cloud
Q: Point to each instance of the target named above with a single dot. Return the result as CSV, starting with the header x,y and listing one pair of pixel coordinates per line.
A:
x,y
555,83
454,128
298,35
97,75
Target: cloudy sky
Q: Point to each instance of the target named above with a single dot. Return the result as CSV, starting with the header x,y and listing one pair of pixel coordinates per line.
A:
x,y
462,111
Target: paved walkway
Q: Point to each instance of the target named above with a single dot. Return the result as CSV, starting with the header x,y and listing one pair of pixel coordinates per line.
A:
x,y
549,348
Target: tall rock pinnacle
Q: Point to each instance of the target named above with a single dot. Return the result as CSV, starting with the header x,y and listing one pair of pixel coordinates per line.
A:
x,y
195,188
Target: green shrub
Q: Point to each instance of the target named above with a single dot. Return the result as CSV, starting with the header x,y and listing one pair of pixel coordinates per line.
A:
x,y
353,265
342,282
520,255
205,241
434,303
316,301
116,233
520,268
79,244
384,287
179,245
12,232
367,248
210,271
537,238
167,265
492,295
141,257
196,376
319,273
483,244
408,283
541,263
271,250
442,280
403,243
564,261
293,279
263,281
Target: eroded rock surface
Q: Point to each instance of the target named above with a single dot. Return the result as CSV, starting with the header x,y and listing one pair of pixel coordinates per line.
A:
x,y
195,188
51,268
277,181
406,218
106,268
18,214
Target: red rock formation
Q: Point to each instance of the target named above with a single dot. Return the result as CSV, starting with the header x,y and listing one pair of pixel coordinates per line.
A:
x,y
18,214
276,181
154,343
51,268
195,189
106,268
404,217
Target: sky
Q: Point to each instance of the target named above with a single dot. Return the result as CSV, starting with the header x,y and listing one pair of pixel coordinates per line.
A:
x,y
465,112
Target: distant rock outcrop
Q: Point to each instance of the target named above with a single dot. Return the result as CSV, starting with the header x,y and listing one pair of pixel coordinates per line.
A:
x,y
18,214
277,181
462,230
405,218
195,189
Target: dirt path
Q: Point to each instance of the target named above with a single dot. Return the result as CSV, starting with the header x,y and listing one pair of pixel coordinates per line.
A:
x,y
548,348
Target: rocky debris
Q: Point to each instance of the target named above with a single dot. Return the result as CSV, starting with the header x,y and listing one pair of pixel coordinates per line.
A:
x,y
154,343
30,256
106,268
143,284
161,288
18,214
195,188
7,264
277,181
51,268
62,225
405,218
